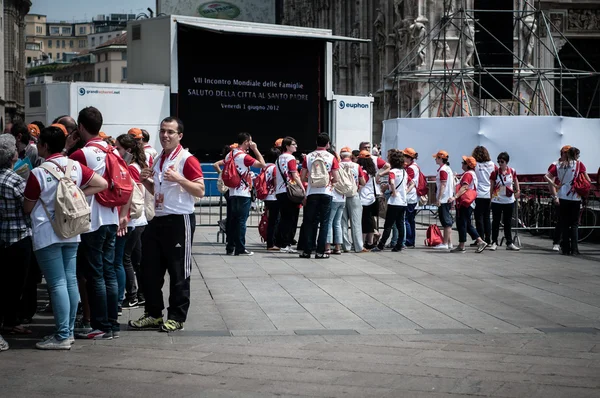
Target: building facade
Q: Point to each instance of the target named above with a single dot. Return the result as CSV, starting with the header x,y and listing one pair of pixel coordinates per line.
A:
x,y
111,61
2,96
403,32
13,26
47,40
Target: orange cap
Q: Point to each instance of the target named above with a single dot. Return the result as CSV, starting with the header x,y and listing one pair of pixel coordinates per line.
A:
x,y
278,142
34,130
102,135
60,126
441,154
470,161
364,154
410,152
233,146
136,133
346,149
565,148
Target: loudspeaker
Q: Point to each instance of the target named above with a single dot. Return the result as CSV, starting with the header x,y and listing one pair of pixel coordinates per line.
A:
x,y
494,42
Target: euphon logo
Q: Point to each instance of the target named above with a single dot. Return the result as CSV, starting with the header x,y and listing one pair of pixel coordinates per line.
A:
x,y
356,105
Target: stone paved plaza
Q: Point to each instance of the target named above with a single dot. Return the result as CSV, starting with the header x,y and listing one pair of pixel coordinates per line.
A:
x,y
420,323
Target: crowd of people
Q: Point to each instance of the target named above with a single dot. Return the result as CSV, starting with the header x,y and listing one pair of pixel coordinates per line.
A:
x,y
102,219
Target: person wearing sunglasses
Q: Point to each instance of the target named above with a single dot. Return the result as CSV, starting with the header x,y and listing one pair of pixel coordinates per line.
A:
x,y
504,190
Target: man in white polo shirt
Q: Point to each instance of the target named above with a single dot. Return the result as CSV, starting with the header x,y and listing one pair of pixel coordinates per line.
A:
x,y
175,180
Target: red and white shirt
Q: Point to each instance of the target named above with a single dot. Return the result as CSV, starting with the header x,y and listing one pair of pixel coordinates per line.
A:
x,y
287,164
502,181
270,176
469,178
379,164
151,154
414,173
400,179
565,173
41,186
483,172
331,163
356,170
445,174
134,170
243,162
94,158
176,200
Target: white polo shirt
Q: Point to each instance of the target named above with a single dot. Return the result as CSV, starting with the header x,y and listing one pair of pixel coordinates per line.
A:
x,y
444,173
331,163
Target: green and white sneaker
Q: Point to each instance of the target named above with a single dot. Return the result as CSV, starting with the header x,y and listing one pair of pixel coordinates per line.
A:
x,y
171,326
146,322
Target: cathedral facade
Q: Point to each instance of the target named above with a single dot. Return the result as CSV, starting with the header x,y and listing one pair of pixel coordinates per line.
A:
x,y
406,36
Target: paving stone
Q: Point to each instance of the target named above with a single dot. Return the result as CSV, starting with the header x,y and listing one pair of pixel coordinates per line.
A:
x,y
324,332
448,331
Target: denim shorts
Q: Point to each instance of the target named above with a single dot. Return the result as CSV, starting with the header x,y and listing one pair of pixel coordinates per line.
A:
x,y
444,214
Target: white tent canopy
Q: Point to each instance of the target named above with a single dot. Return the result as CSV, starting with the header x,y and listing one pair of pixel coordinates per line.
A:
x,y
533,142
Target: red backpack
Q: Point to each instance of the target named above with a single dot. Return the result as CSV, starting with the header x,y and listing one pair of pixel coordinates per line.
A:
x,y
120,186
231,176
434,236
263,225
262,185
423,187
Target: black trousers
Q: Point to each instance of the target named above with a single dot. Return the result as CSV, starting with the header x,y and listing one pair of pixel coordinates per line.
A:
x,y
15,267
482,218
132,257
167,244
502,212
316,212
273,208
393,216
289,213
568,213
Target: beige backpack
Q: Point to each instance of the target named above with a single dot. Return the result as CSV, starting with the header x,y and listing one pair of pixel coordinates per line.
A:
x,y
319,175
71,209
138,202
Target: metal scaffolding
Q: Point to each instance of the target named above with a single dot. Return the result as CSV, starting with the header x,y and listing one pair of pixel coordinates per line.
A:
x,y
450,84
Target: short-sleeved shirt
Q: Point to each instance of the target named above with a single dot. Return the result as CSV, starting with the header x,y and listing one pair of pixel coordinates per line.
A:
x,y
270,175
445,174
367,193
564,174
42,186
483,171
414,173
331,163
379,164
243,162
15,225
287,164
502,181
400,179
95,159
176,199
469,179
151,154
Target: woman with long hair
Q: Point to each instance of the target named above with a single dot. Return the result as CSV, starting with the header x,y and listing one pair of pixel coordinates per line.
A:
x,y
483,170
128,248
368,198
566,173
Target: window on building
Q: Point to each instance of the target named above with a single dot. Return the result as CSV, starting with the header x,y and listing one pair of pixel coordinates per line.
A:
x,y
49,43
98,75
32,46
77,77
101,40
39,30
54,31
82,30
124,56
124,73
136,32
82,43
63,44
106,75
58,56
57,43
50,55
109,37
71,43
28,60
66,31
93,41
35,99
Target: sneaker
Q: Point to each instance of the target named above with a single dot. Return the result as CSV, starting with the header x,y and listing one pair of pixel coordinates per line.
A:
x,y
493,247
146,322
288,249
481,247
441,246
171,326
130,304
3,344
82,327
106,336
512,246
141,301
116,334
245,253
474,244
119,310
459,249
71,338
450,246
53,344
556,248
92,335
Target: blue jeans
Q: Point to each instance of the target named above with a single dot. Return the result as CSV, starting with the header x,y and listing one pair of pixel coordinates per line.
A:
x,y
334,227
395,235
410,224
101,278
464,225
58,264
119,268
316,212
236,223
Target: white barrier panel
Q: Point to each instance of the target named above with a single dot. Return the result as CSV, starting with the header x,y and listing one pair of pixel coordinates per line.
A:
x,y
533,142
